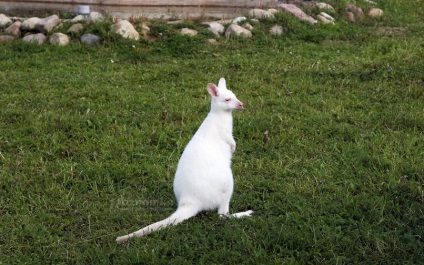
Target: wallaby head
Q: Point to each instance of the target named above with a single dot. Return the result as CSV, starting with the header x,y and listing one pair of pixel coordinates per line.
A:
x,y
222,98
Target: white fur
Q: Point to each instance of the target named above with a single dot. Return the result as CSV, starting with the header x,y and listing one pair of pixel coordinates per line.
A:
x,y
203,180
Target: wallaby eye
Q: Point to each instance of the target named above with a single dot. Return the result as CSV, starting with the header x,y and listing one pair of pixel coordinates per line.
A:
x,y
227,99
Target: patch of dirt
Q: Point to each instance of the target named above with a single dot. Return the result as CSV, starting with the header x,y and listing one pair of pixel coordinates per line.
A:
x,y
391,31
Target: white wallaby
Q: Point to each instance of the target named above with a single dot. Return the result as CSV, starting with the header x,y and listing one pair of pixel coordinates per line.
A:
x,y
203,180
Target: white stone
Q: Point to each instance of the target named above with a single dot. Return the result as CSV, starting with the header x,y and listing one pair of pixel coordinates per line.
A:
x,y
125,29
276,30
78,18
259,13
14,29
237,30
215,26
297,12
325,6
45,25
375,12
350,17
39,38
188,32
356,10
370,2
4,20
327,16
59,39
30,23
324,20
233,21
247,26
273,11
238,20
77,28
94,17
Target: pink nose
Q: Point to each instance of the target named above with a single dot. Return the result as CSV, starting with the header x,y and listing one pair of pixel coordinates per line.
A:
x,y
240,106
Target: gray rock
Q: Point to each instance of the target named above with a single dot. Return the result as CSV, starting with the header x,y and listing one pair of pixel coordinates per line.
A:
x,y
188,32
276,30
297,12
6,38
39,38
125,29
236,30
30,23
59,39
90,39
14,29
259,13
45,25
76,28
4,20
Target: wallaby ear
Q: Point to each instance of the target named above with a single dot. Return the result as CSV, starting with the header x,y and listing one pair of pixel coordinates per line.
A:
x,y
212,89
222,83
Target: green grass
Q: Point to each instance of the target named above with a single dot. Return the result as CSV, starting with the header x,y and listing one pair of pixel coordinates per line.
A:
x,y
88,147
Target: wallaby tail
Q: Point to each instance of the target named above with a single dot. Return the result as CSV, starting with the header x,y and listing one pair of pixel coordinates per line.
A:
x,y
181,214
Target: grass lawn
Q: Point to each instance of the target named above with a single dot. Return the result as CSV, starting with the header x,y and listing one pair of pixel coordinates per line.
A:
x,y
90,139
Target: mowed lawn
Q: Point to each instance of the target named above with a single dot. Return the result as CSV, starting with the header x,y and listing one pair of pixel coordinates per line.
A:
x,y
330,148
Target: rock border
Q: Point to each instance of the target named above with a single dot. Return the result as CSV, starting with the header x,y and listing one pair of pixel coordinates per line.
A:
x,y
39,30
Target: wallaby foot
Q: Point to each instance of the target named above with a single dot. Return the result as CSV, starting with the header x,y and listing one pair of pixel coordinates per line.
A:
x,y
238,215
242,214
